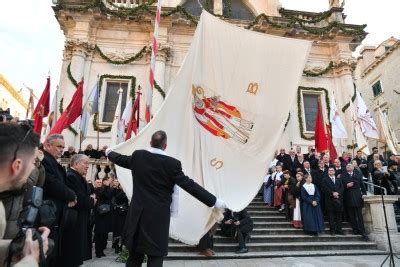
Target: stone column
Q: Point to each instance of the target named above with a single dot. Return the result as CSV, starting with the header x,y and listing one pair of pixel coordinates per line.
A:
x,y
375,225
159,76
218,7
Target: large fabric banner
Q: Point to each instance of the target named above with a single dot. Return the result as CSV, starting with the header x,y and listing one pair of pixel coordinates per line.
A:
x,y
223,115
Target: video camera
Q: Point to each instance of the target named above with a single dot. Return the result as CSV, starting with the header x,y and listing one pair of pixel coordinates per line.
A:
x,y
35,214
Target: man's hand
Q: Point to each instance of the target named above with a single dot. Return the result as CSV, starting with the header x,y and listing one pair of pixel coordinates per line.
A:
x,y
237,223
220,204
32,248
335,194
107,151
228,221
72,203
314,203
351,184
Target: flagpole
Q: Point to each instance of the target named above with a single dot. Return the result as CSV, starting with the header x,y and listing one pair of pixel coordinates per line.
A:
x,y
97,114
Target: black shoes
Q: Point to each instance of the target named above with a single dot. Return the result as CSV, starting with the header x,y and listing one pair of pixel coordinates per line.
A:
x,y
242,250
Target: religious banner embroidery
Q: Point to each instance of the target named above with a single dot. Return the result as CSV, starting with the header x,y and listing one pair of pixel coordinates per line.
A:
x,y
220,118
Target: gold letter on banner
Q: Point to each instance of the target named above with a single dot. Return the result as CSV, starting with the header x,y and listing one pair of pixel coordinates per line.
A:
x,y
252,88
217,163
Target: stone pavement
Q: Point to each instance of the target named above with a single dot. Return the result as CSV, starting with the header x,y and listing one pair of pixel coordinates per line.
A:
x,y
334,261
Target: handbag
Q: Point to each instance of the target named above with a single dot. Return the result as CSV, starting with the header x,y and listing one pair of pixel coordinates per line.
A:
x,y
103,209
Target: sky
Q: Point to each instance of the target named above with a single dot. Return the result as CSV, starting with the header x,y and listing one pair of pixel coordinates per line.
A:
x,y
31,41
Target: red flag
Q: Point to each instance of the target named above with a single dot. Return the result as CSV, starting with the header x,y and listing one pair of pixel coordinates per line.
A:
x,y
71,113
321,142
42,108
134,122
331,146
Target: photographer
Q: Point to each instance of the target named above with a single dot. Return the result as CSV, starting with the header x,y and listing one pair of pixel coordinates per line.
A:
x,y
19,149
56,190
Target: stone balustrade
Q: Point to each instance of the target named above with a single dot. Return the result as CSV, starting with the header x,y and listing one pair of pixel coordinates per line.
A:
x,y
97,167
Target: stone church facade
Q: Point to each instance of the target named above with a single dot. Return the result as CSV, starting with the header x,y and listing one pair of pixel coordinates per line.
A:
x,y
107,43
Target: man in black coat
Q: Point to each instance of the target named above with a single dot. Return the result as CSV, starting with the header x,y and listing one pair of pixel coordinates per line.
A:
x,y
154,176
354,189
362,163
241,225
333,191
55,189
75,241
284,158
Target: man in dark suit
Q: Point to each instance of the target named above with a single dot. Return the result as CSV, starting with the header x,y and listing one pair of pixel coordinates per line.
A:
x,y
154,176
242,225
284,158
354,189
75,241
376,151
338,167
333,191
55,189
362,163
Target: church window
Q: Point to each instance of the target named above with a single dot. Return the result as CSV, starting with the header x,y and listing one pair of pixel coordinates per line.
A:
x,y
110,96
310,104
377,88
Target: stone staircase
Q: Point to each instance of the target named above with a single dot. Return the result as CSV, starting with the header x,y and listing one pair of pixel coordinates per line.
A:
x,y
273,236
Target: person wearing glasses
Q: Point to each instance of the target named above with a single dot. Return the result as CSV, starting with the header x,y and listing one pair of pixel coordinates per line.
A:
x,y
19,148
56,190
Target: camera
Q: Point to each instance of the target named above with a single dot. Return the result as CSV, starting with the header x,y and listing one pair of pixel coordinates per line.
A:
x,y
36,213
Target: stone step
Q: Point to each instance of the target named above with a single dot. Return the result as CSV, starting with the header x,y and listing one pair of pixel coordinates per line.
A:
x,y
285,238
272,254
289,231
281,246
264,212
283,224
271,218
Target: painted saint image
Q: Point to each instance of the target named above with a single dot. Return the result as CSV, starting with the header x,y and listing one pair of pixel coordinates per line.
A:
x,y
220,118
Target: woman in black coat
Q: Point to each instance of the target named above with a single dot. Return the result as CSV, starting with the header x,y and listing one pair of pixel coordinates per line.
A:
x,y
120,210
102,216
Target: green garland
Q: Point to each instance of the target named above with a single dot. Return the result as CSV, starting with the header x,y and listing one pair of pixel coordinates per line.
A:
x,y
159,89
345,107
121,62
149,3
144,8
70,77
318,18
61,109
320,73
299,108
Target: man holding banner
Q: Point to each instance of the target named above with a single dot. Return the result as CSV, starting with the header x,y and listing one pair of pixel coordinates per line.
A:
x,y
154,175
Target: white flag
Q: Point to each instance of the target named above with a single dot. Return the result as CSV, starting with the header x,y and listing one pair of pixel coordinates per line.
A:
x,y
338,130
216,120
118,126
90,107
359,137
127,114
367,123
385,134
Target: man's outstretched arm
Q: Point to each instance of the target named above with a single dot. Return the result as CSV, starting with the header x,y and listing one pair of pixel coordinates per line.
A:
x,y
121,160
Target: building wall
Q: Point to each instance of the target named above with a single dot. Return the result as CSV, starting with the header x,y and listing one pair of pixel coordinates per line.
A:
x,y
388,72
12,99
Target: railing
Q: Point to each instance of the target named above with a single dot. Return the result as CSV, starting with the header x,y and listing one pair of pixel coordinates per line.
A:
x,y
94,166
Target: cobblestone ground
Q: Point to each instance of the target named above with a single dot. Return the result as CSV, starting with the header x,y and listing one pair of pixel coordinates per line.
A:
x,y
339,261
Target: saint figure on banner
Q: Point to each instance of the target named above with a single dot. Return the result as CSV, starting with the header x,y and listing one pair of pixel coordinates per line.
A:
x,y
220,118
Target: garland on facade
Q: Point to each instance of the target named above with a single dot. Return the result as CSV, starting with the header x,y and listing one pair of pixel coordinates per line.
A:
x,y
70,77
123,12
309,73
299,109
121,62
345,107
318,18
61,109
151,2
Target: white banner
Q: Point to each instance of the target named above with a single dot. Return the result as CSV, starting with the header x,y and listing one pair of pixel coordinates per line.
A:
x,y
223,116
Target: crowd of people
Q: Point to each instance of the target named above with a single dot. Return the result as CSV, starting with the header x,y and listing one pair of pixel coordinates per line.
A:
x,y
307,187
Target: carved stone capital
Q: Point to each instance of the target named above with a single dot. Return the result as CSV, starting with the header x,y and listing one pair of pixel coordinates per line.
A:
x,y
164,52
344,65
76,47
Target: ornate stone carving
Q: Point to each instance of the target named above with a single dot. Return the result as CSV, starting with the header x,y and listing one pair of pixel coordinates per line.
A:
x,y
76,46
164,51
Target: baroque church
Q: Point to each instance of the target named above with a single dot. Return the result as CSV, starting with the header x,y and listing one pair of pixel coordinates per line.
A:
x,y
107,43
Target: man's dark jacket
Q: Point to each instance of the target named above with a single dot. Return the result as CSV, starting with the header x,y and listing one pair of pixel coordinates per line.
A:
x,y
146,228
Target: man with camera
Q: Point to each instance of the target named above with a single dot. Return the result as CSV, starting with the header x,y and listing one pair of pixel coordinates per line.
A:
x,y
19,146
56,190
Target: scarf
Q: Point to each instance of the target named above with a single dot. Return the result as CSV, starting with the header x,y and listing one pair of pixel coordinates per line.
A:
x,y
310,188
175,195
